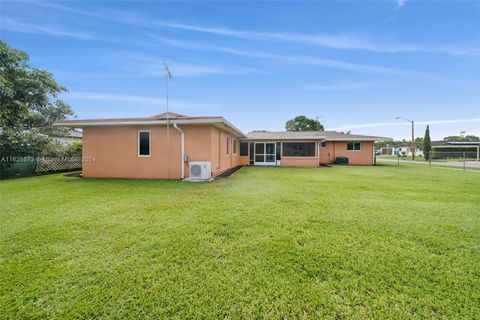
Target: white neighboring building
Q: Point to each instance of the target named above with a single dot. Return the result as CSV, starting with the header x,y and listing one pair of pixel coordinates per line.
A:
x,y
71,137
406,150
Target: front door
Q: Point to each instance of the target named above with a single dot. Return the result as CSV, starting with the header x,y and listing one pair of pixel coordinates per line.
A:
x,y
265,154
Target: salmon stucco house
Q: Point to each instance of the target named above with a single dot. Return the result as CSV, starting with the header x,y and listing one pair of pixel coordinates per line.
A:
x,y
174,146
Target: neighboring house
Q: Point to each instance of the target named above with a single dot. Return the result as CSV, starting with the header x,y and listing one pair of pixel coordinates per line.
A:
x,y
157,147
384,151
405,149
69,138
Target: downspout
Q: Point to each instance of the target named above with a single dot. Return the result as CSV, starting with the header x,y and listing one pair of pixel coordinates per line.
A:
x,y
318,152
182,146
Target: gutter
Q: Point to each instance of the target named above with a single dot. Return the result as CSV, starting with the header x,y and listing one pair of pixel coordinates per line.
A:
x,y
182,146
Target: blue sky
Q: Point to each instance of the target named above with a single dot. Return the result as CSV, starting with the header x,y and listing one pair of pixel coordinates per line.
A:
x,y
355,64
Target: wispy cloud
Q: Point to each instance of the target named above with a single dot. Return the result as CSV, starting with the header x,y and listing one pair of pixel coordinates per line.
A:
x,y
339,86
334,41
13,25
400,4
398,123
114,97
298,60
146,65
146,101
152,67
341,42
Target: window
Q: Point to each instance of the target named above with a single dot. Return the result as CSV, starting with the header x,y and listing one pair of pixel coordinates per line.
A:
x,y
228,146
243,149
144,143
322,144
299,149
234,147
354,146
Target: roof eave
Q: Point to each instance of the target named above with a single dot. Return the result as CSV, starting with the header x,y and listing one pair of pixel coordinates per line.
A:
x,y
276,139
124,122
321,138
358,139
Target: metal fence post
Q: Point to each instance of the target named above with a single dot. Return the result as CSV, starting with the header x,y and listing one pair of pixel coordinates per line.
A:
x,y
398,159
464,161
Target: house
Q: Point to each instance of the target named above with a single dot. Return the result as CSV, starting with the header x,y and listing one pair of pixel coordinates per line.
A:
x,y
68,139
405,149
166,145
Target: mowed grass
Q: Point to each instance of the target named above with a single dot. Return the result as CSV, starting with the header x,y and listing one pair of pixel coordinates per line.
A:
x,y
340,243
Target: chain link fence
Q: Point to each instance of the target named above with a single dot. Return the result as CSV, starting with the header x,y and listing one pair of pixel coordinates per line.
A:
x,y
465,160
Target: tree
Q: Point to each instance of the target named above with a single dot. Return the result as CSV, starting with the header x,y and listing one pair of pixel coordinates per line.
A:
x,y
427,144
419,141
302,123
29,105
467,138
385,143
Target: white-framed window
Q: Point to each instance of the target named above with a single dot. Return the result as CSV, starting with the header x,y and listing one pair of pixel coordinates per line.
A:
x,y
144,143
228,146
322,144
354,145
234,147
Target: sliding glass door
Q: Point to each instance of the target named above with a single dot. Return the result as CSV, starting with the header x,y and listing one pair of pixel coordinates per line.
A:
x,y
265,154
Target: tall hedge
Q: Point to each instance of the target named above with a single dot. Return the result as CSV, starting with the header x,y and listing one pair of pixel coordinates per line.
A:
x,y
453,152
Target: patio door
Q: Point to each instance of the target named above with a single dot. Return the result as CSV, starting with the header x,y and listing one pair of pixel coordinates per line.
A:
x,y
265,154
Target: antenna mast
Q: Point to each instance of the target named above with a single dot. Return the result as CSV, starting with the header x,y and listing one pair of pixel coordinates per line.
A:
x,y
168,76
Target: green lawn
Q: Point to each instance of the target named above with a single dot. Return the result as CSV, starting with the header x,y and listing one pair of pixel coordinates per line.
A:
x,y
343,243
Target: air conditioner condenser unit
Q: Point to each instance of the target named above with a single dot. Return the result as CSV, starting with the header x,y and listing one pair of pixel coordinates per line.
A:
x,y
201,171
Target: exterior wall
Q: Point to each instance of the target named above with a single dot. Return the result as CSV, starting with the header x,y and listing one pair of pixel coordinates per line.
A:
x,y
220,160
335,149
299,162
115,150
327,154
243,161
197,144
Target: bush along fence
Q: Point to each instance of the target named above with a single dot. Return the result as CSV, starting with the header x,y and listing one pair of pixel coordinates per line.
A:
x,y
454,153
26,166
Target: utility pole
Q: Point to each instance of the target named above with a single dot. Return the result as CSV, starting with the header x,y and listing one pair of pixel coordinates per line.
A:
x,y
168,77
412,146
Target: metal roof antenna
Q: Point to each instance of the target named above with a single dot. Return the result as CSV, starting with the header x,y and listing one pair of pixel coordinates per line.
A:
x,y
168,77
